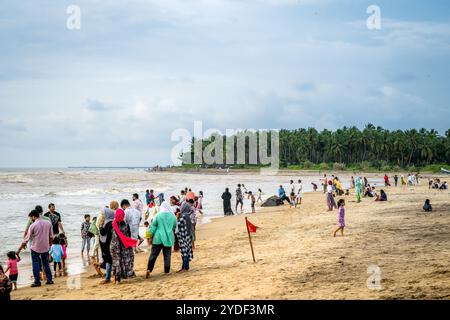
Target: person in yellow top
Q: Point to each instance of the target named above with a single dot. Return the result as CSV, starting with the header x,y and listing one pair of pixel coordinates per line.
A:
x,y
338,186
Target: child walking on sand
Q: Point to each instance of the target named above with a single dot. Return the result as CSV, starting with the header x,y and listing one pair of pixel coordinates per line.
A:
x,y
148,236
85,239
341,216
13,259
56,252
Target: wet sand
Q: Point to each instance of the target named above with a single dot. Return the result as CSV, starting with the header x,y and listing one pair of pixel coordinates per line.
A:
x,y
297,256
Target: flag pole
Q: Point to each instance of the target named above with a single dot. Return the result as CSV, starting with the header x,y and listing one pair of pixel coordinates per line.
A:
x,y
250,240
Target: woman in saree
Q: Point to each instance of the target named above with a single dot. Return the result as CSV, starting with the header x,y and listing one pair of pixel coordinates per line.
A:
x,y
184,235
122,248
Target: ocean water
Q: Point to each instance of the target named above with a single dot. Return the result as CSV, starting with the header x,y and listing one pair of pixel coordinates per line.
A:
x,y
76,192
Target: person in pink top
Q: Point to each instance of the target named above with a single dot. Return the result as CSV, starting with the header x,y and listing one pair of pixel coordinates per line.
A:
x,y
41,234
137,203
13,259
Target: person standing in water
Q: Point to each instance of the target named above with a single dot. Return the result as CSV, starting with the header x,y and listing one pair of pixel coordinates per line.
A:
x,y
298,199
253,201
239,198
55,219
226,197
199,207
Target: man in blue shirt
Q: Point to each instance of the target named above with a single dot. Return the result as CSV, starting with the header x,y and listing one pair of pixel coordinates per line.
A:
x,y
282,195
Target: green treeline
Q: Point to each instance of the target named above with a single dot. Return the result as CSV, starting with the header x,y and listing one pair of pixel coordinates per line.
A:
x,y
351,148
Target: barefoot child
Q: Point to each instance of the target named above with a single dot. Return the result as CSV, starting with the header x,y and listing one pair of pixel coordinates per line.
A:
x,y
56,252
85,239
341,216
13,259
63,243
147,233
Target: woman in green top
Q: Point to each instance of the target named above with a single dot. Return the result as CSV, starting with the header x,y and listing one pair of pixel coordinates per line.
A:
x,y
162,232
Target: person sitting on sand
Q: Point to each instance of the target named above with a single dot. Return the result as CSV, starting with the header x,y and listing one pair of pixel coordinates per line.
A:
x,y
382,196
226,197
370,192
122,248
282,195
341,217
427,206
184,233
444,186
314,186
162,232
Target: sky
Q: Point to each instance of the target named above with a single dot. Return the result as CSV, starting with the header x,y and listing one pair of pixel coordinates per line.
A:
x,y
112,92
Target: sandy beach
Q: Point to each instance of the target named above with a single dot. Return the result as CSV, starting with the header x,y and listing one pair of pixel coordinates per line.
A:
x,y
297,256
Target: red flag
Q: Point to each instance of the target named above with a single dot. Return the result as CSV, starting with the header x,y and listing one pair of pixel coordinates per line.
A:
x,y
250,226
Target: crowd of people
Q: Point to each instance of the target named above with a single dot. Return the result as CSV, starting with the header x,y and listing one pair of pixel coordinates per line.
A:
x,y
111,239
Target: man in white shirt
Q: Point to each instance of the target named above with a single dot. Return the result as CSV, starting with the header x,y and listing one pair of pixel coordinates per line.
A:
x,y
299,193
133,218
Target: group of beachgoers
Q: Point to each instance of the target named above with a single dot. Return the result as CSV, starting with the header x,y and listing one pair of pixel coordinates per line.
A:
x,y
294,199
241,194
169,227
437,184
114,233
